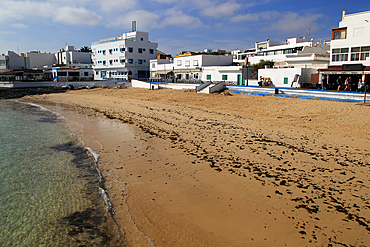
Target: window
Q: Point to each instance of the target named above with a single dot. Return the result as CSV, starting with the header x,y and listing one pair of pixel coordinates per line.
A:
x,y
209,77
195,63
339,54
140,50
153,65
103,52
262,46
179,62
360,53
151,51
131,61
278,52
110,51
96,72
285,80
340,33
130,49
122,49
73,74
86,73
103,62
110,62
142,39
122,60
187,63
179,76
140,61
224,77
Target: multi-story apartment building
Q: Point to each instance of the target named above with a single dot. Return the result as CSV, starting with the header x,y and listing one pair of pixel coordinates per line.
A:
x,y
73,58
350,50
123,57
294,52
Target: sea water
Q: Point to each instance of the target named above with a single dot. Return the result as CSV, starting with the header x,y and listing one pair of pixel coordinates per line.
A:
x,y
49,186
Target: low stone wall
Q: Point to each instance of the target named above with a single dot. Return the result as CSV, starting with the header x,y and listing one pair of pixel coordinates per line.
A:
x,y
11,93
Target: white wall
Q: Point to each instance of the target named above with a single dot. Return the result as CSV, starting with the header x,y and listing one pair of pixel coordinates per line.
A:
x,y
17,62
277,76
38,59
217,72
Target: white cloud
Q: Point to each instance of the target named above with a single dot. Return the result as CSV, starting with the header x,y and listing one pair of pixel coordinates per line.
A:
x,y
76,16
144,19
178,18
225,9
17,10
293,22
19,25
268,15
165,1
117,5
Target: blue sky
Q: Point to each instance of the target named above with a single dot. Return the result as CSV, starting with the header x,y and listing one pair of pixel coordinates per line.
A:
x,y
174,24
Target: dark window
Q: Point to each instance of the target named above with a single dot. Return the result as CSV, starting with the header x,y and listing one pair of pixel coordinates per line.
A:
x,y
62,73
139,50
86,73
130,49
73,74
151,51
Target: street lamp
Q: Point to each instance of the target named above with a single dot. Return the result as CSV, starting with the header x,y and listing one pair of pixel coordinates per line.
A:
x,y
247,74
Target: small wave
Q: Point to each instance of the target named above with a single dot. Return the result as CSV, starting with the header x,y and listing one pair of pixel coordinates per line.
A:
x,y
95,155
106,199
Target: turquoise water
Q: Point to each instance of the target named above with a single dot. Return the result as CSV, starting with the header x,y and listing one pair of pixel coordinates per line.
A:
x,y
49,187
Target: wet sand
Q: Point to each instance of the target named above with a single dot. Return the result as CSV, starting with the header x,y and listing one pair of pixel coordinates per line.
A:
x,y
187,169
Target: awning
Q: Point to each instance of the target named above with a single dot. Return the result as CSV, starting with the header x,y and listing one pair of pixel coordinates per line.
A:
x,y
162,72
344,72
187,70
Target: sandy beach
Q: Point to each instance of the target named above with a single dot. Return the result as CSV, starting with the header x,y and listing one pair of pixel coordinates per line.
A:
x,y
187,169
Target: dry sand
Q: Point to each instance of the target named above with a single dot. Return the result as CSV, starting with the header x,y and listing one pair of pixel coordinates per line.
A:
x,y
230,170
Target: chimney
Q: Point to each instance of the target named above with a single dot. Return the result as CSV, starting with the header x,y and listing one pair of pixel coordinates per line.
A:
x,y
344,13
133,26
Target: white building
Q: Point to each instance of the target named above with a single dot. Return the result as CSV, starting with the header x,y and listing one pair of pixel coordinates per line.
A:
x,y
12,61
38,60
123,57
350,51
295,52
61,74
73,58
198,67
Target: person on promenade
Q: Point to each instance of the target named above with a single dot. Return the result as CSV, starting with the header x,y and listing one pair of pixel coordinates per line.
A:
x,y
360,85
339,82
348,84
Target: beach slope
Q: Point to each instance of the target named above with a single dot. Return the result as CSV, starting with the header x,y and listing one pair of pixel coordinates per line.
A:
x,y
232,170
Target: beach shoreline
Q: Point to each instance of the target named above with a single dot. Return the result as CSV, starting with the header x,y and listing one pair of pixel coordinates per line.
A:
x,y
221,170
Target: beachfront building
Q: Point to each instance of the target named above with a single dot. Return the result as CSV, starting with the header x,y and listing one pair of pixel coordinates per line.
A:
x,y
198,67
66,74
123,57
12,61
350,51
294,52
37,59
73,58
